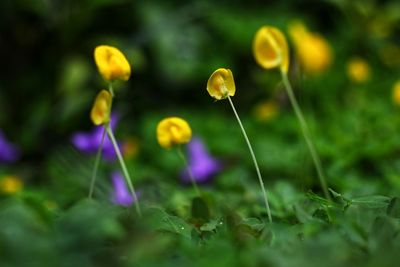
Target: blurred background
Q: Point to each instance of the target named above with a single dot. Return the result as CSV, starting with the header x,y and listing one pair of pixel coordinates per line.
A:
x,y
344,67
49,80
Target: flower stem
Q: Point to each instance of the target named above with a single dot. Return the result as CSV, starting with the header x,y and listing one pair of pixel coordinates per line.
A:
x,y
100,150
192,179
124,169
306,134
254,160
97,162
110,88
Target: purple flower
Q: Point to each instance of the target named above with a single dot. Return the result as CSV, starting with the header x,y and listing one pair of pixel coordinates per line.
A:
x,y
121,195
8,151
202,165
90,142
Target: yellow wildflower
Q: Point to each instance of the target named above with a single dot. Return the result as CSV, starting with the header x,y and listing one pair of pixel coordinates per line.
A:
x,y
270,48
396,92
313,50
100,113
173,131
220,85
358,70
11,184
266,110
112,63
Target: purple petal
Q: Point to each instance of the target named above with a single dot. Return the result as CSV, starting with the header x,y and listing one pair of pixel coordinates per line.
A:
x,y
121,194
114,120
201,164
83,142
90,142
8,151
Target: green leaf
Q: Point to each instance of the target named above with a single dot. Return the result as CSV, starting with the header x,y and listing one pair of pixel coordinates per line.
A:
x,y
200,209
372,202
209,226
254,223
393,209
160,220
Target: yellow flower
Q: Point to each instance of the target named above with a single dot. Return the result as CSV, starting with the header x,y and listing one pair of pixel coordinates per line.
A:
x,y
358,70
11,184
313,50
173,131
220,85
111,63
270,48
100,113
266,110
396,92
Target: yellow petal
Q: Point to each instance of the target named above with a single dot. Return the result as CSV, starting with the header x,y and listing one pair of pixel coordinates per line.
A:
x,y
221,84
100,113
270,48
11,184
313,50
266,110
173,131
112,63
358,70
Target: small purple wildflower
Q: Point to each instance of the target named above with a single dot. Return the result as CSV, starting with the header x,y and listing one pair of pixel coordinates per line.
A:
x,y
121,195
201,163
90,142
8,151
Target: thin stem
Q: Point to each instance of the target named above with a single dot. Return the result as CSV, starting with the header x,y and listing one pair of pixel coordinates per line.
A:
x,y
254,160
97,162
124,169
192,179
306,134
100,150
110,88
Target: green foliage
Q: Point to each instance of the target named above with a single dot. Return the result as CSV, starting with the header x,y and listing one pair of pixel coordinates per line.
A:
x,y
47,85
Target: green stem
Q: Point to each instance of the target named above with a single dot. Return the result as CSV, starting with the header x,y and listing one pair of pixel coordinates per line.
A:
x,y
254,160
306,134
124,169
192,179
110,88
97,162
99,151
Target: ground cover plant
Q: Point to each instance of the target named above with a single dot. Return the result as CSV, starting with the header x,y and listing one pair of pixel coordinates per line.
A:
x,y
200,133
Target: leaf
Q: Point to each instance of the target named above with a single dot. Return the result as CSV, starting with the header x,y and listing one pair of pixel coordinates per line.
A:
x,y
210,226
254,223
383,232
393,209
200,209
372,202
162,221
314,197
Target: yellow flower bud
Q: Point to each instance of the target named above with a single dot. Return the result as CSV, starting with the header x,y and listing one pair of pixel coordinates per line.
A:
x,y
11,184
313,51
270,48
100,113
220,85
111,63
396,93
173,131
358,70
